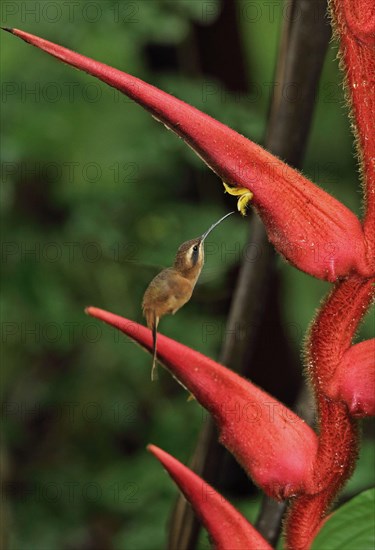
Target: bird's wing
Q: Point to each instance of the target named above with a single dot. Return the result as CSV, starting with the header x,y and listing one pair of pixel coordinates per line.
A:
x,y
168,289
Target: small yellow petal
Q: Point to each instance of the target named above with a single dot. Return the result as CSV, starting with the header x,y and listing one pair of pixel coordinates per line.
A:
x,y
235,190
244,194
243,202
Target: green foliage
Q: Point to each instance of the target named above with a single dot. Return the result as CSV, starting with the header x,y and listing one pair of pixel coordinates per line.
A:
x,y
351,526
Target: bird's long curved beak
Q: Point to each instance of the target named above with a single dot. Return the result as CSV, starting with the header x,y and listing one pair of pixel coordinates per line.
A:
x,y
214,225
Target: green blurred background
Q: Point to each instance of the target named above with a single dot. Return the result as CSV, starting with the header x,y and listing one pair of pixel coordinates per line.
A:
x,y
95,198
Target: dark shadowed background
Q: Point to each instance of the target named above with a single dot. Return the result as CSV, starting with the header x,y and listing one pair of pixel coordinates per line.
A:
x,y
96,197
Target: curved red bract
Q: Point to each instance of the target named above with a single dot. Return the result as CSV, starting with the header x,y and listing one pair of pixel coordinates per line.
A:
x,y
227,527
272,443
309,227
354,380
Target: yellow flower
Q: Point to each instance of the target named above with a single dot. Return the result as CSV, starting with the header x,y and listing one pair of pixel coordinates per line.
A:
x,y
245,196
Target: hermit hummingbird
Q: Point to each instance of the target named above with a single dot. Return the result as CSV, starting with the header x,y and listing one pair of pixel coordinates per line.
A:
x,y
172,288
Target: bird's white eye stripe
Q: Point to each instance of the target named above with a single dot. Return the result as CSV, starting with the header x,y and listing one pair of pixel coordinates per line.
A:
x,y
194,254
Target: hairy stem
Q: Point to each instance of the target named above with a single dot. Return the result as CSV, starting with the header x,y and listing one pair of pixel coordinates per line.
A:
x,y
331,335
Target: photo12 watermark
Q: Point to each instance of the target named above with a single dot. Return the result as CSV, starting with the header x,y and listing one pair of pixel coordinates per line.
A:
x,y
30,12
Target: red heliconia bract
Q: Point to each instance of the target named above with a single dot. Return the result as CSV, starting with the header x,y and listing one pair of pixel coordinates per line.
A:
x,y
354,379
309,227
227,527
272,443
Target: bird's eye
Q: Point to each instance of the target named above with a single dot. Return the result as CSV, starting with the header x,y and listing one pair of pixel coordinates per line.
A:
x,y
195,247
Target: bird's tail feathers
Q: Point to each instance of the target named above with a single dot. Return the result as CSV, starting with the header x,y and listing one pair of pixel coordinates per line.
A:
x,y
154,370
152,321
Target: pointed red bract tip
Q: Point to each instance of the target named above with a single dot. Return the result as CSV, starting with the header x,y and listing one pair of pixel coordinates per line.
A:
x,y
310,228
354,379
226,526
272,444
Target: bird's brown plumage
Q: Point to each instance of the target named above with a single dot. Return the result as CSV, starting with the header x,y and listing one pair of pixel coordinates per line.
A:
x,y
166,294
173,287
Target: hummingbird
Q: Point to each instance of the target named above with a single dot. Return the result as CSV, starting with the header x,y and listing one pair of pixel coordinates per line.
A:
x,y
172,288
